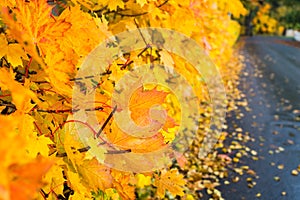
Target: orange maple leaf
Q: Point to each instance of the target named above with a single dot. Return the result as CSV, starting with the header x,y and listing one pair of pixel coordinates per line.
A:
x,y
27,179
135,144
140,103
122,182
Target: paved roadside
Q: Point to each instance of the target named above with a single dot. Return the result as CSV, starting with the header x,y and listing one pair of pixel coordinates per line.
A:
x,y
271,84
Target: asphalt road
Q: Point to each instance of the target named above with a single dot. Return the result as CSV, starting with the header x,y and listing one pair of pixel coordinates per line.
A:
x,y
271,84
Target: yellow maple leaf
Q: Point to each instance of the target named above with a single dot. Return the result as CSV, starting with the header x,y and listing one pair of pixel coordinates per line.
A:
x,y
112,194
38,26
80,191
143,180
54,180
71,143
14,52
114,4
37,144
9,3
235,7
26,29
141,2
171,181
21,95
95,175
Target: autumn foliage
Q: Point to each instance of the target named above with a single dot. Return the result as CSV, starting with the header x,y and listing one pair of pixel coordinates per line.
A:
x,y
263,22
42,46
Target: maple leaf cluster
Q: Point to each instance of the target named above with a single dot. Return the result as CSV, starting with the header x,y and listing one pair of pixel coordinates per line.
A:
x,y
42,46
263,22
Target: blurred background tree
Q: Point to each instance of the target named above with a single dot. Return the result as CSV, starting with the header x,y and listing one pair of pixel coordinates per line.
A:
x,y
288,13
271,16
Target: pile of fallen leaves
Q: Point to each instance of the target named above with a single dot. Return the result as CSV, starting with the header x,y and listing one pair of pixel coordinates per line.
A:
x,y
44,43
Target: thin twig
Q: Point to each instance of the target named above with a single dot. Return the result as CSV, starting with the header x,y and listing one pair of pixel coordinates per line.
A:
x,y
106,121
70,110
